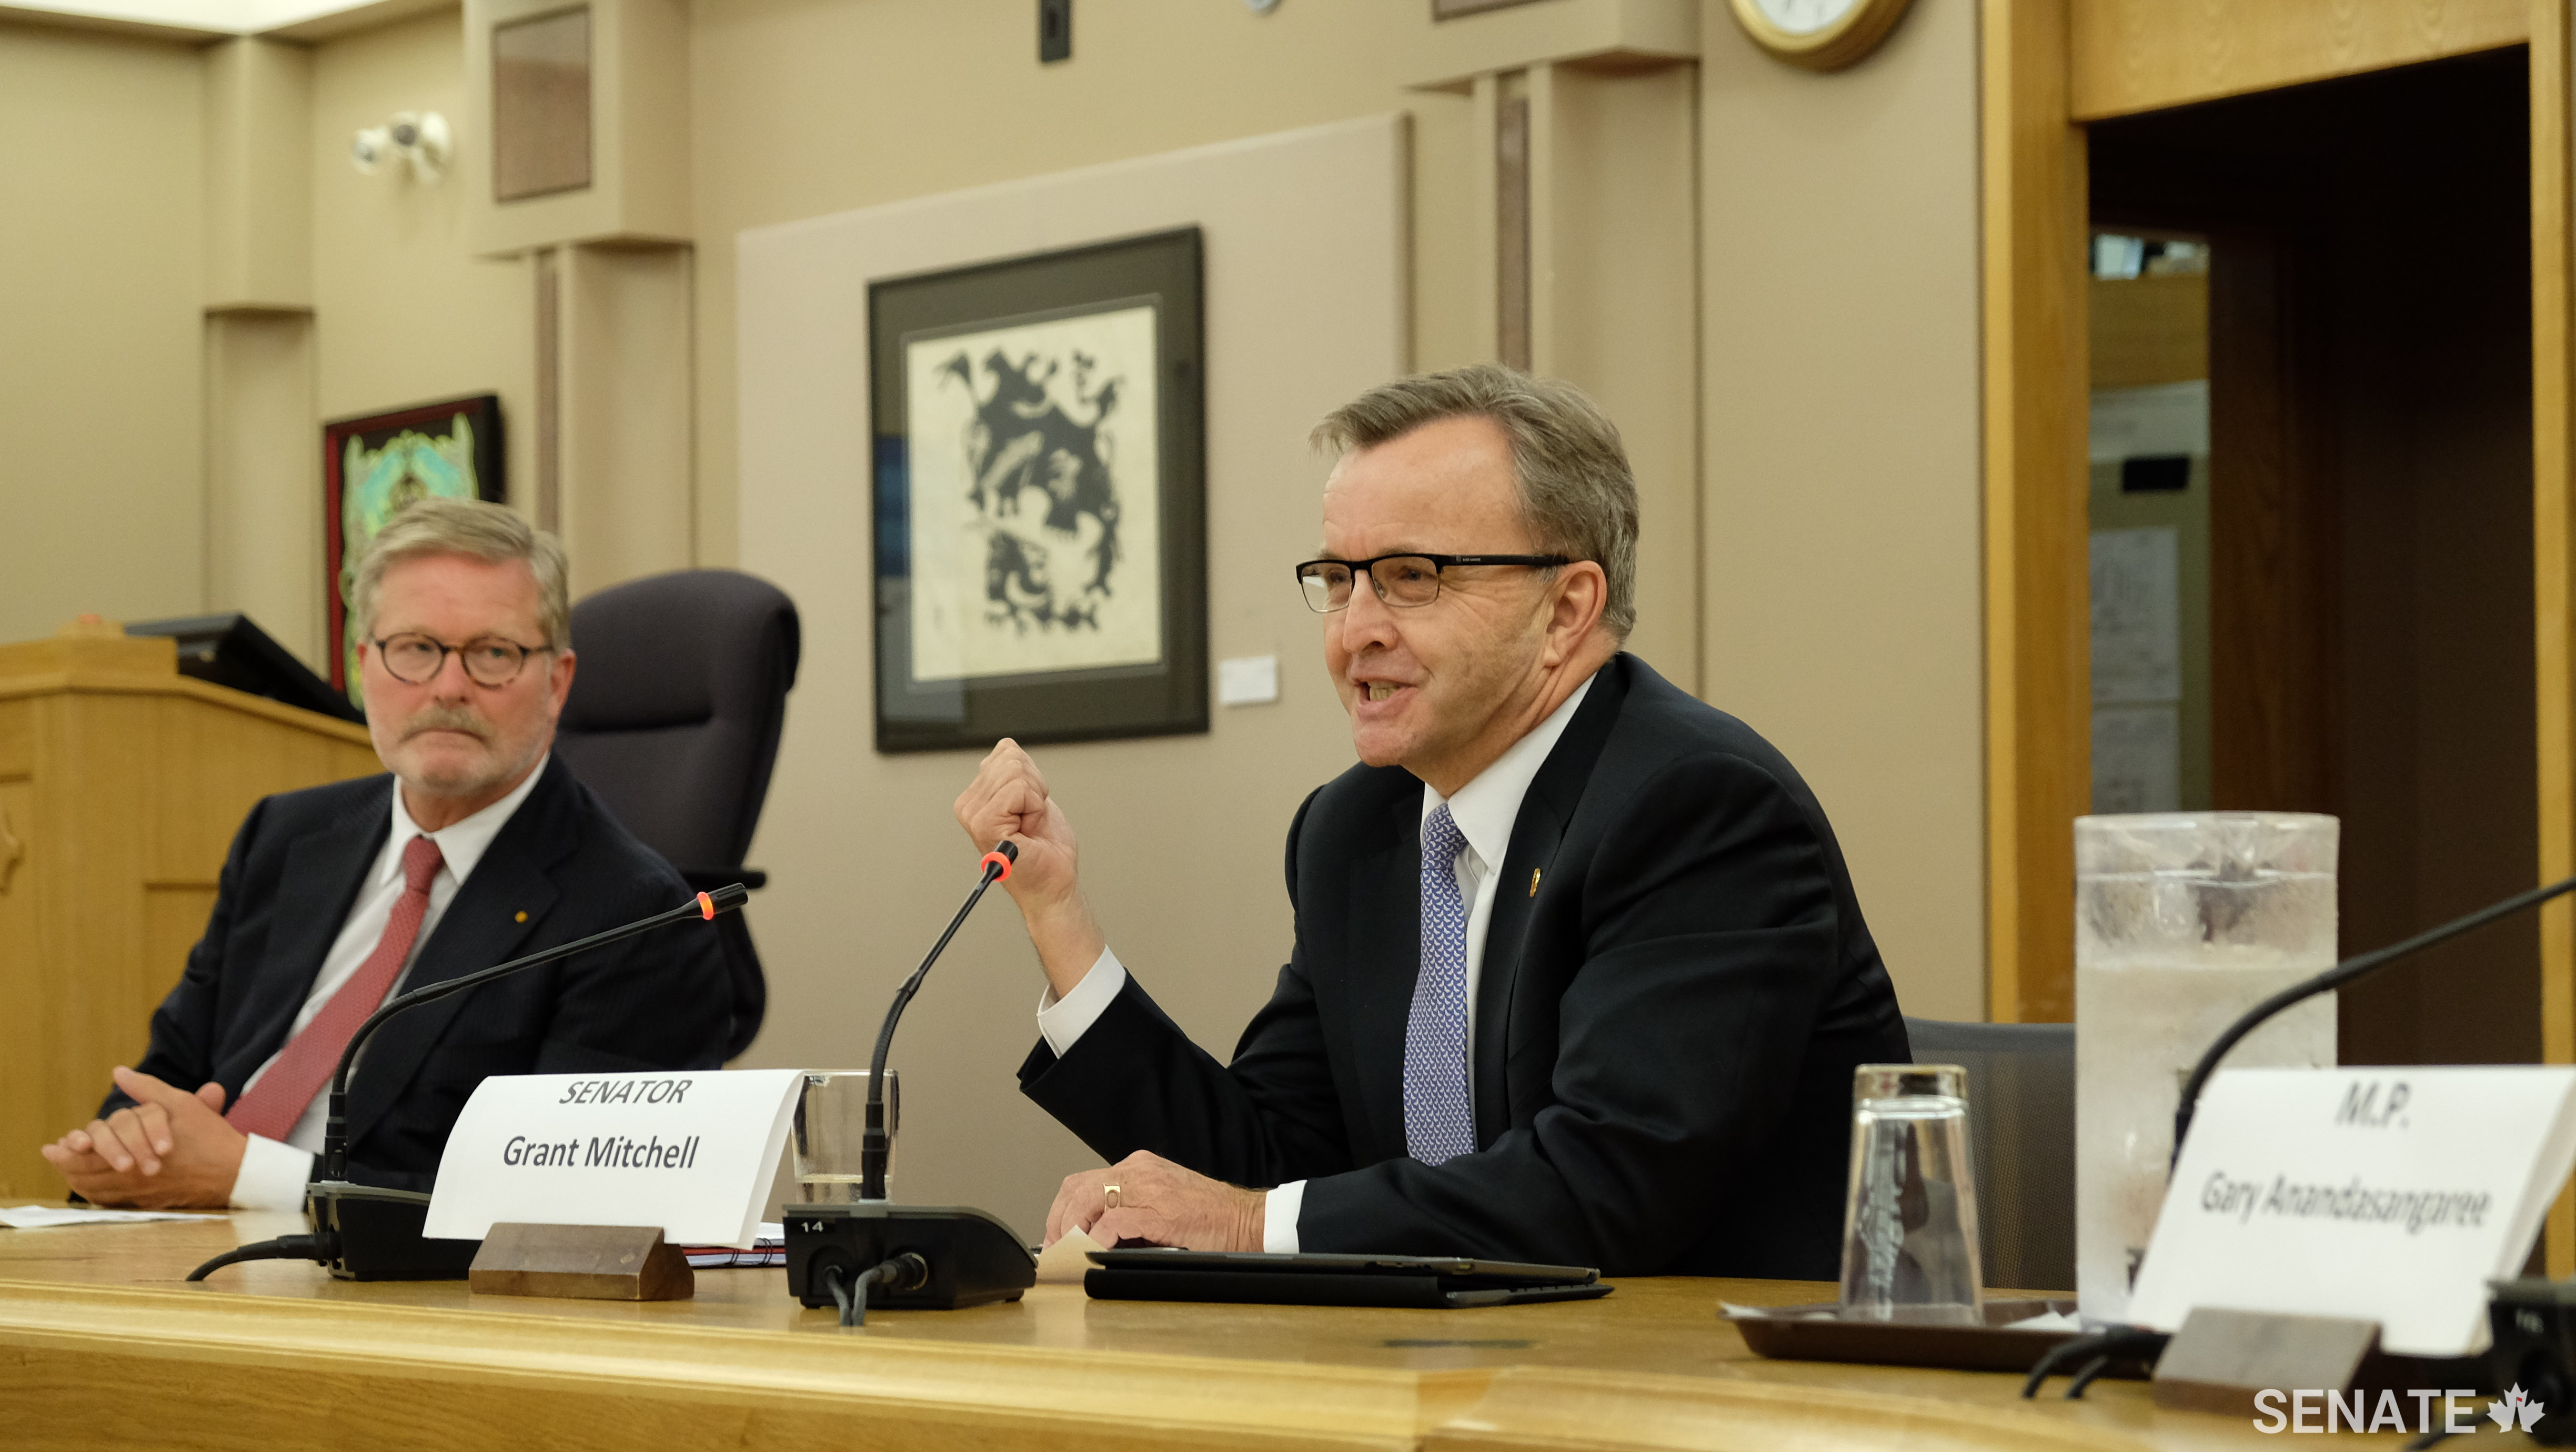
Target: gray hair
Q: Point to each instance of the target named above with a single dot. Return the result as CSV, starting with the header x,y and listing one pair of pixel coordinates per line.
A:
x,y
1578,496
471,527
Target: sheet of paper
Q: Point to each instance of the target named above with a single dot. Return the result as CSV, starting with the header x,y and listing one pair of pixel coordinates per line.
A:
x,y
38,1217
1068,1260
2137,758
2136,581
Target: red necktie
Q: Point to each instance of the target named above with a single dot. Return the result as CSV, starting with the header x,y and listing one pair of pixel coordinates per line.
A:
x,y
271,1107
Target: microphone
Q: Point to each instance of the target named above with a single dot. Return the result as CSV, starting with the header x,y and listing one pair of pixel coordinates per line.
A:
x,y
913,1257
369,1233
2350,970
874,1145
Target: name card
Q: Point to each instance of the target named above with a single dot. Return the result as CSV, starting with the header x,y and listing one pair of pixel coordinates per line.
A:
x,y
2383,1194
692,1152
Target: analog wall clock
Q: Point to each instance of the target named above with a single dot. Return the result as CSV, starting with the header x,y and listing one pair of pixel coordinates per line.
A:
x,y
1821,35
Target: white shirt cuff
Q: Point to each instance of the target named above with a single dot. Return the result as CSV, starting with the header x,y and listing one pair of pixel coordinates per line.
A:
x,y
1063,1021
272,1176
1279,1217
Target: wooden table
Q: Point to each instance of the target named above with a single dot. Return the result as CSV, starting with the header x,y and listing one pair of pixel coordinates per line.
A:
x,y
103,1346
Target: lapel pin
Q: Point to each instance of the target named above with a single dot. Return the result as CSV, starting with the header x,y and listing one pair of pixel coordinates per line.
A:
x,y
1534,872
523,912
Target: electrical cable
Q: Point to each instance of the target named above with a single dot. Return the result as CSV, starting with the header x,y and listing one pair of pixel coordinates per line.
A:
x,y
2090,1374
904,1272
320,1246
2094,1355
854,1311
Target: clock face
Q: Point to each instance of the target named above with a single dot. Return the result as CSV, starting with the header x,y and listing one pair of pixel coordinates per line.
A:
x,y
1805,17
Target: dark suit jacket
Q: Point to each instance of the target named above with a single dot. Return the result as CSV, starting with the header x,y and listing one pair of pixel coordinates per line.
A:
x,y
1667,1018
561,863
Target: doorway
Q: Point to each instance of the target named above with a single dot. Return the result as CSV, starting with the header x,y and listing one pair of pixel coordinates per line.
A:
x,y
2368,607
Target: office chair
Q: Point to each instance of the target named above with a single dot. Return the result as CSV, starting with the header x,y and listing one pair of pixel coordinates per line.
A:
x,y
2021,1138
673,721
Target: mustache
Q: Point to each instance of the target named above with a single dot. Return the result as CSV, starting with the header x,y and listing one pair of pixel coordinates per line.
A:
x,y
447,718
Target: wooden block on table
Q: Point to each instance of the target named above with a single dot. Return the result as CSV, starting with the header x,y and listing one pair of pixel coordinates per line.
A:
x,y
583,1262
2220,1360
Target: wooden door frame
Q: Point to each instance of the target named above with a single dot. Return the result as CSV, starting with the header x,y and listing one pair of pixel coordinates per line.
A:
x,y
2038,735
2038,685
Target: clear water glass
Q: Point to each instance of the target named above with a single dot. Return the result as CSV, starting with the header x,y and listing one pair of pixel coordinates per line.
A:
x,y
1910,1230
831,1128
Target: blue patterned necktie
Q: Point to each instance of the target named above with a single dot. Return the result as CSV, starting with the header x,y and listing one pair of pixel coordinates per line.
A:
x,y
1439,1123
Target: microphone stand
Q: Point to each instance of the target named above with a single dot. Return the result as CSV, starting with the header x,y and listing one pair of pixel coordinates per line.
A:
x,y
912,1257
2350,970
366,1232
875,1145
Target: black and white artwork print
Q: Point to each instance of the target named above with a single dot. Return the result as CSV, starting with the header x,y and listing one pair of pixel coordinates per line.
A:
x,y
1036,538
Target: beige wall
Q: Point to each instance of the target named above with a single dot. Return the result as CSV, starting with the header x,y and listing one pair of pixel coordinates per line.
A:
x,y
403,314
1841,505
806,109
102,475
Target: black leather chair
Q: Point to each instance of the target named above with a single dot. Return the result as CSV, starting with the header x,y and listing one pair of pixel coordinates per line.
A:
x,y
674,720
2021,1139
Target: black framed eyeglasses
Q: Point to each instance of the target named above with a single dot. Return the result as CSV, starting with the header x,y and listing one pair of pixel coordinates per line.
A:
x,y
490,660
1404,581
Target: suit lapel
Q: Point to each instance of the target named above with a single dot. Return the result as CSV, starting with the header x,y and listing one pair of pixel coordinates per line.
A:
x,y
321,878
481,927
1384,924
1536,831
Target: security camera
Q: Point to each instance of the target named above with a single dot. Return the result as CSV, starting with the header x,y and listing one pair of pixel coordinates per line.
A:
x,y
420,139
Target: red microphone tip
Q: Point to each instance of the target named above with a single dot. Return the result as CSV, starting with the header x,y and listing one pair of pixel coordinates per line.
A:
x,y
706,907
1000,859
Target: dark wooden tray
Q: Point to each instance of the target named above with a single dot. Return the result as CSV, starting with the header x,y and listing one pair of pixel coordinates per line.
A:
x,y
1818,1332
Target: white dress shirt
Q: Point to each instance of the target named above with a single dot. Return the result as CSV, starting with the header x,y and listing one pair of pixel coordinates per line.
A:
x,y
1484,810
273,1174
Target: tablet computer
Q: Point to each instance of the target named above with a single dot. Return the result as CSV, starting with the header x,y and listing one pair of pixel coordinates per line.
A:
x,y
1256,1277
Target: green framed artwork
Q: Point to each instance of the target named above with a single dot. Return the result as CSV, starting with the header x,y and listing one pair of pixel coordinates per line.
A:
x,y
375,464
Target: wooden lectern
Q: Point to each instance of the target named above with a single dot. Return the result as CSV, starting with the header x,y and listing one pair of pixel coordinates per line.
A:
x,y
121,785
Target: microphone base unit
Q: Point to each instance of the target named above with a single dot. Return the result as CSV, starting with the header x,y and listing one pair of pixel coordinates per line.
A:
x,y
974,1258
377,1232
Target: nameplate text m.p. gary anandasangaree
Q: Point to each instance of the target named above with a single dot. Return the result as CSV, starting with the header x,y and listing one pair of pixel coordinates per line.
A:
x,y
2387,1194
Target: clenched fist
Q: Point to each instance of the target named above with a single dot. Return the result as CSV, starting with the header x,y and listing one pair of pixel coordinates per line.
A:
x,y
1008,799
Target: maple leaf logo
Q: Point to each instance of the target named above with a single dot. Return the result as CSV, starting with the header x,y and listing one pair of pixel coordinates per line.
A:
x,y
2517,1405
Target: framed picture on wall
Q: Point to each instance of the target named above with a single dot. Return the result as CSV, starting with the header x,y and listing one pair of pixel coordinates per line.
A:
x,y
1040,516
374,465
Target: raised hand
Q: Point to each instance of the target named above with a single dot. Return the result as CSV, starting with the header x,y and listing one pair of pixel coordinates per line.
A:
x,y
1008,799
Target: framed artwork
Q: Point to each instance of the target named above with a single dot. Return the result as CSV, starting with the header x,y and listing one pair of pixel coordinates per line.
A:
x,y
373,466
1041,510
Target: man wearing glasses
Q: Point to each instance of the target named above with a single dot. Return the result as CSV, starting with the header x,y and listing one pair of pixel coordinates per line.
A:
x,y
1578,974
477,848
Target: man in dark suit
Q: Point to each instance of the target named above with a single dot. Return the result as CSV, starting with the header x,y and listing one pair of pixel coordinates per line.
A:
x,y
476,849
1578,975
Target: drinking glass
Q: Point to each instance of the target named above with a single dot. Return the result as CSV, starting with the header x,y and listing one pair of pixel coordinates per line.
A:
x,y
831,1127
1910,1231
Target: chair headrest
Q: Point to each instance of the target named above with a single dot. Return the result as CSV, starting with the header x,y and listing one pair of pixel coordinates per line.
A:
x,y
674,650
